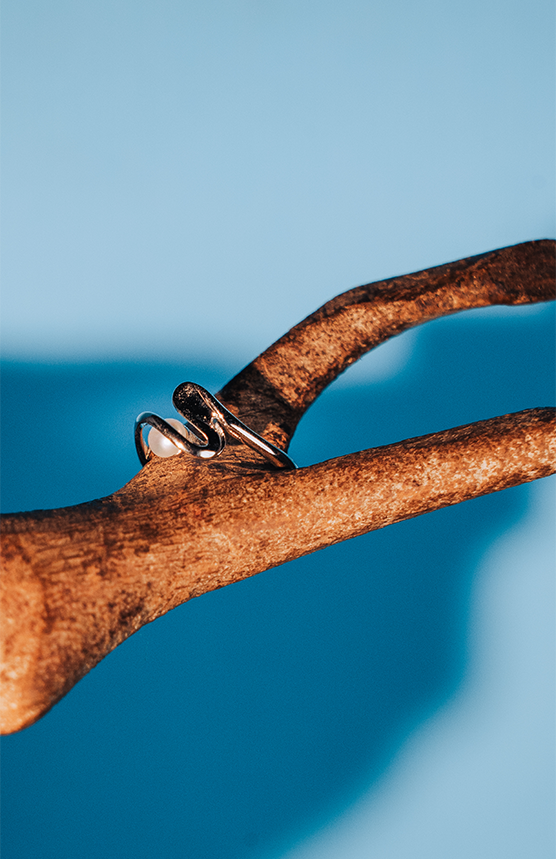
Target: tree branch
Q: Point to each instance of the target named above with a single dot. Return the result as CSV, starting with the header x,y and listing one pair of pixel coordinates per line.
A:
x,y
79,580
275,390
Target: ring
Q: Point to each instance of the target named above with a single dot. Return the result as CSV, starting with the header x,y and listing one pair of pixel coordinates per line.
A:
x,y
208,423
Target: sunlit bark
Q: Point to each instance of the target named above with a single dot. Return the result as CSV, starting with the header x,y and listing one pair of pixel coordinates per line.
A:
x,y
78,581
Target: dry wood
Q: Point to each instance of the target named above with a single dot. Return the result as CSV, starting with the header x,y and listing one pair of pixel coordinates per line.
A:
x,y
79,580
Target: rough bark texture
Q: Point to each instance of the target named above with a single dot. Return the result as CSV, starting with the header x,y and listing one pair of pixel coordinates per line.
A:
x,y
79,580
276,389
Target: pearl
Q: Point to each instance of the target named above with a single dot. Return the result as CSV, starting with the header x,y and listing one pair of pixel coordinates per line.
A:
x,y
162,446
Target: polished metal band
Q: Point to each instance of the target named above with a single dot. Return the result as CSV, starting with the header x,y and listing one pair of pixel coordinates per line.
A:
x,y
208,422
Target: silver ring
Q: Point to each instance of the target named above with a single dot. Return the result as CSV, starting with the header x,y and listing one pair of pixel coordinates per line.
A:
x,y
208,422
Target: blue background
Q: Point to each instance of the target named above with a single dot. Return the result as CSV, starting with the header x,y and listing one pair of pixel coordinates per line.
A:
x,y
183,182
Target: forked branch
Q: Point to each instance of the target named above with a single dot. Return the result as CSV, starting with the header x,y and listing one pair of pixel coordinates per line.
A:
x,y
79,580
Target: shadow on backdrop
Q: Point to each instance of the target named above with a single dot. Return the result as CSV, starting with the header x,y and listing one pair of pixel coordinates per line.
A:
x,y
245,718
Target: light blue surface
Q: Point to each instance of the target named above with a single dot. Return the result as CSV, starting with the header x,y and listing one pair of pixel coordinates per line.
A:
x,y
183,181
185,177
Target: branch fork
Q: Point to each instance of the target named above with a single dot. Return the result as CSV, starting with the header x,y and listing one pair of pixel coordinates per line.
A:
x,y
78,581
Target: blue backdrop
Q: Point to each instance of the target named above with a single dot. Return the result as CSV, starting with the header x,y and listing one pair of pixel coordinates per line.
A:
x,y
238,721
183,181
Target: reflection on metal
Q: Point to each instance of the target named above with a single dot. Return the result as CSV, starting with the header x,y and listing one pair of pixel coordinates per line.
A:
x,y
204,434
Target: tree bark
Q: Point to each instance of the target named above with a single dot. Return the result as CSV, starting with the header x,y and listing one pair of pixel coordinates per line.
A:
x,y
79,580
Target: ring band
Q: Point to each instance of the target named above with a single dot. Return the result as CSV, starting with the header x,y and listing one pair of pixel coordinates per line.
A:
x,y
207,424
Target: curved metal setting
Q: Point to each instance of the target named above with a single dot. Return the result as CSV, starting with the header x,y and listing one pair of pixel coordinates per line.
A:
x,y
198,407
204,443
207,422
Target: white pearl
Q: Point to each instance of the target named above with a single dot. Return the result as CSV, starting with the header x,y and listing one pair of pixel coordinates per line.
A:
x,y
162,446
